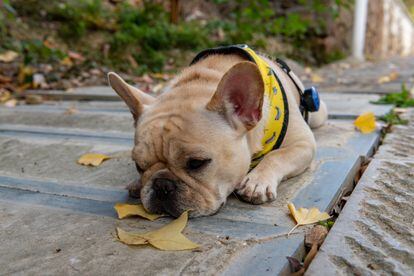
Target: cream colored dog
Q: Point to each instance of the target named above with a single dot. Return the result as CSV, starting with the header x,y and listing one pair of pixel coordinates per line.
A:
x,y
194,143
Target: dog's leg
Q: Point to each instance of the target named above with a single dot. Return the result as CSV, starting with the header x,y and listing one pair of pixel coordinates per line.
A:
x,y
260,185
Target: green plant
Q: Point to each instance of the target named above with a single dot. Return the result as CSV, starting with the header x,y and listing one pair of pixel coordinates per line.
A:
x,y
399,99
78,16
327,223
7,13
147,33
35,51
393,118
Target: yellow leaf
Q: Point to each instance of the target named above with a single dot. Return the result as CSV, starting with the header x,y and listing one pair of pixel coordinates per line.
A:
x,y
24,72
4,95
388,78
305,216
8,56
125,210
130,238
168,237
66,62
316,78
365,122
93,159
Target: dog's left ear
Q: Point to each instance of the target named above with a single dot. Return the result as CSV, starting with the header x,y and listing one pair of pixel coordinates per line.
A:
x,y
239,96
132,96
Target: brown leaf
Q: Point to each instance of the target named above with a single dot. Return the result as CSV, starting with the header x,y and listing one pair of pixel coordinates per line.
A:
x,y
316,235
5,79
294,264
309,257
33,99
76,56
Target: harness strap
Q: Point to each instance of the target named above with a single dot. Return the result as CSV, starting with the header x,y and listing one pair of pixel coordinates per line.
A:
x,y
299,86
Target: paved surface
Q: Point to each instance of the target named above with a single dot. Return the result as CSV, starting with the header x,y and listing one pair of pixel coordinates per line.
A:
x,y
355,77
57,216
374,234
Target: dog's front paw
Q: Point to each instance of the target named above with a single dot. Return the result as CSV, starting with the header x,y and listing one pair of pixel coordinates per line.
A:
x,y
256,189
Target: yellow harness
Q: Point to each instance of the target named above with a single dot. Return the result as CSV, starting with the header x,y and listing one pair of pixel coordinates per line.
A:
x,y
278,117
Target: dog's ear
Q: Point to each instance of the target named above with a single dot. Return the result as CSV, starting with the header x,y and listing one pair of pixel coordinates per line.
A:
x,y
132,96
239,96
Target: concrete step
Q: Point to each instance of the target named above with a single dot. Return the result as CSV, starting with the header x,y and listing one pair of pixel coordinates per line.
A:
x,y
374,234
340,106
68,206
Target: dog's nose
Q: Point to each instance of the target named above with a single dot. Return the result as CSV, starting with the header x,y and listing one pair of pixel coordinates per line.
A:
x,y
163,188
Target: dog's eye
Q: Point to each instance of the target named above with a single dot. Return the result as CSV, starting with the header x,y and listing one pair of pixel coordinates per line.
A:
x,y
138,168
195,164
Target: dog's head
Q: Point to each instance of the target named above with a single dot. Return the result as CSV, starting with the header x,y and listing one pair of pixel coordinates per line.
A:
x,y
191,147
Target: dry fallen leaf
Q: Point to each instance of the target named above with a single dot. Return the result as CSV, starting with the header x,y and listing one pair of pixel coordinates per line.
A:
x,y
33,99
316,236
305,216
24,73
316,78
71,110
11,103
93,159
4,95
388,78
168,237
125,210
76,56
66,62
8,56
130,238
365,122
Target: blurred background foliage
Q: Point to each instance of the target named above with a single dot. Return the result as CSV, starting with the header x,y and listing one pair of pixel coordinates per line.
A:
x,y
138,36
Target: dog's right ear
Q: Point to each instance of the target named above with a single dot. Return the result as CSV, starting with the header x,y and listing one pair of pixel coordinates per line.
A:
x,y
132,96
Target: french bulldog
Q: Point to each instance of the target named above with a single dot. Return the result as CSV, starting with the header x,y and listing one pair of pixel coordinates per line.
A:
x,y
194,143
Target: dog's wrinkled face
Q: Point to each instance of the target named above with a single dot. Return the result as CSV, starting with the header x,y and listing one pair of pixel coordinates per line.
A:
x,y
191,151
190,161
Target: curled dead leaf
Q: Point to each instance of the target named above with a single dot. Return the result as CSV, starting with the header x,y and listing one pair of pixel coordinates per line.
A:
x,y
126,210
365,122
168,237
92,159
33,99
316,235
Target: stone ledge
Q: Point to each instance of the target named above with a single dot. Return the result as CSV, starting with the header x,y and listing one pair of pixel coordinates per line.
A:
x,y
374,232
